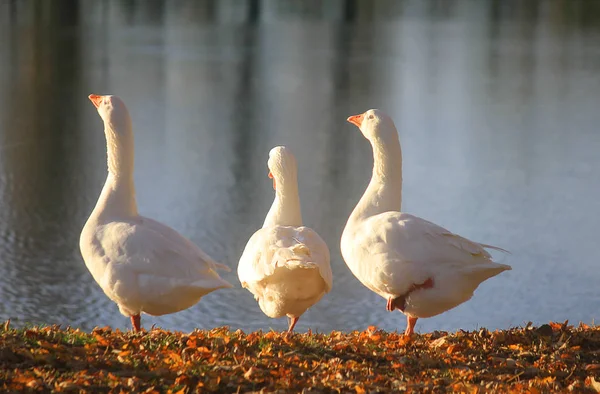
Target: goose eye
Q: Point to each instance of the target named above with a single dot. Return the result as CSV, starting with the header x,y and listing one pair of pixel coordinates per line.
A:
x,y
370,116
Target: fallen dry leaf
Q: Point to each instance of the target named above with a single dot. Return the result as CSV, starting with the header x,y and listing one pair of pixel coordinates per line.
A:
x,y
518,360
594,385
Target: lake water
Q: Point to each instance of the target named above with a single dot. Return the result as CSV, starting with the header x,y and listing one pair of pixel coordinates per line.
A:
x,y
496,103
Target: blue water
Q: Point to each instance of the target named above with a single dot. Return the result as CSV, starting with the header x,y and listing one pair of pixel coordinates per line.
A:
x,y
496,105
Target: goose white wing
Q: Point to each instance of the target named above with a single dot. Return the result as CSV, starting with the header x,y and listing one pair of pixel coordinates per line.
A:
x,y
184,243
144,259
275,246
405,249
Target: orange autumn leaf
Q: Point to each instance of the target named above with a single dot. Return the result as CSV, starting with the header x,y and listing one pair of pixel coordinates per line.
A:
x,y
271,335
182,379
555,326
591,382
403,340
111,376
465,388
191,343
23,379
46,345
34,384
375,338
101,340
453,349
359,390
249,373
219,360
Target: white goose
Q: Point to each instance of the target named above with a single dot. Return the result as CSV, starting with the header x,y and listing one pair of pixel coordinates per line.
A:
x,y
419,267
285,265
141,264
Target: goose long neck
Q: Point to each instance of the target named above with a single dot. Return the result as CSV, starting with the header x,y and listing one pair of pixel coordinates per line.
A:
x,y
120,152
118,194
285,210
384,192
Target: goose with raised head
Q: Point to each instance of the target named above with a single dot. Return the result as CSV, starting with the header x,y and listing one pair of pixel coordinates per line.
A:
x,y
420,268
140,264
285,264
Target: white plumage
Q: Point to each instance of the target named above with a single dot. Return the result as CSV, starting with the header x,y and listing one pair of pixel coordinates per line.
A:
x,y
419,267
140,264
285,265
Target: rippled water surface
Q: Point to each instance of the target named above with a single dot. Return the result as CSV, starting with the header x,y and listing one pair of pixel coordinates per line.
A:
x,y
496,103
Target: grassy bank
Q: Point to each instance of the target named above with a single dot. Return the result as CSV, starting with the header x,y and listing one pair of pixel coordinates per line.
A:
x,y
550,358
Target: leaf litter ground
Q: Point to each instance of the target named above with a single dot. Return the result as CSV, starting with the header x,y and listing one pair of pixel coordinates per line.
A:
x,y
554,357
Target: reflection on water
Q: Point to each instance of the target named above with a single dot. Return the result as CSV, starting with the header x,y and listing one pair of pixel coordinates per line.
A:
x,y
495,101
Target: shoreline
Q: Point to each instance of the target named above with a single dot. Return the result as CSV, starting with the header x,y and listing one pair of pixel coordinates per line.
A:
x,y
554,357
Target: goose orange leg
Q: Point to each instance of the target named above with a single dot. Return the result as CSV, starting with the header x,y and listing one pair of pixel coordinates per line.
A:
x,y
400,301
292,323
136,323
410,325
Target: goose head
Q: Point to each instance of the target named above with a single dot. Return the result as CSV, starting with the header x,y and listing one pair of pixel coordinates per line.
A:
x,y
113,112
374,124
282,165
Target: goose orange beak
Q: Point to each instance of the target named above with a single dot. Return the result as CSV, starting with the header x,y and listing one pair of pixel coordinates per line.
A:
x,y
271,176
95,99
356,119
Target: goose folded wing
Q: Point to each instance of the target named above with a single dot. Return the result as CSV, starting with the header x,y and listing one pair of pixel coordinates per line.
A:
x,y
141,250
406,250
272,247
319,252
184,245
